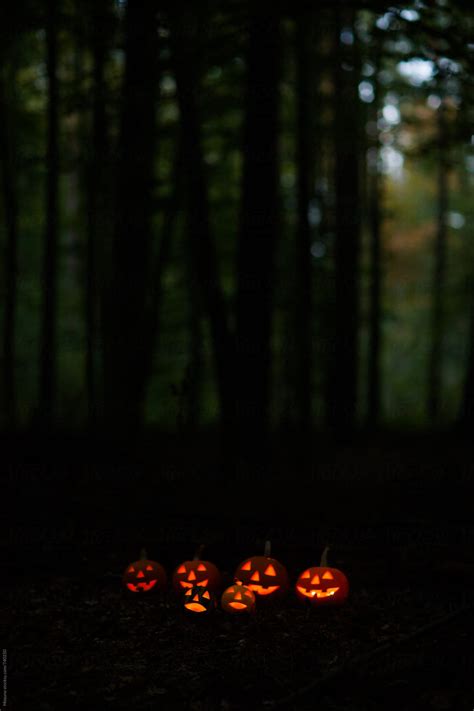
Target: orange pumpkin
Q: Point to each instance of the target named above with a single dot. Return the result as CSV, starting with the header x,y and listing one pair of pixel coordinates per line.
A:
x,y
322,585
144,575
265,576
196,572
238,599
199,600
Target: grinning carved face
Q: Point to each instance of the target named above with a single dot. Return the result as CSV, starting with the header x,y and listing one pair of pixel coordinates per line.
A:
x,y
144,575
322,586
200,573
199,600
238,599
264,576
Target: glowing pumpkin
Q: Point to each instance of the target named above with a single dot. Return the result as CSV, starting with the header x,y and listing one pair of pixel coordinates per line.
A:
x,y
322,585
238,599
199,600
196,572
265,576
144,575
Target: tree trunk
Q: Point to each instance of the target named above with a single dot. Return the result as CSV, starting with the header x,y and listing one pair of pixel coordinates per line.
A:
x,y
439,276
124,351
375,276
202,249
343,368
98,194
258,226
48,356
303,265
10,206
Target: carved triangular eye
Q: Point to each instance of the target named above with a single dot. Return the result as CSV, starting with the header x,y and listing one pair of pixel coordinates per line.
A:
x,y
315,580
270,570
201,567
181,569
149,567
206,595
247,593
192,575
306,574
247,565
131,569
328,576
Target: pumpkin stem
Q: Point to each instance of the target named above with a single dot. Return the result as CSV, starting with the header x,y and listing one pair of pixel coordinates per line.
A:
x,y
267,551
143,554
199,551
324,558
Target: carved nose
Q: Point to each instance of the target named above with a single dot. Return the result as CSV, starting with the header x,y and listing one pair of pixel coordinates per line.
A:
x,y
255,576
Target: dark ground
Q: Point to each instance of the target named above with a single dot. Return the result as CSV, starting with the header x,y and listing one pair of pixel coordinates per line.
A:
x,y
397,513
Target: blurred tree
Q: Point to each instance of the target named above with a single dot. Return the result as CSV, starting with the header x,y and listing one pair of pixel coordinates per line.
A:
x,y
48,354
186,35
439,271
126,323
343,368
8,167
375,225
258,225
304,158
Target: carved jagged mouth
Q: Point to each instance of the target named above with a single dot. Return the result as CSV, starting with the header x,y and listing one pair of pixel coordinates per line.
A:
x,y
262,589
142,587
317,593
200,584
195,607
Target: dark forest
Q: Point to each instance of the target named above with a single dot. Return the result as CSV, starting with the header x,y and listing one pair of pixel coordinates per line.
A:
x,y
237,306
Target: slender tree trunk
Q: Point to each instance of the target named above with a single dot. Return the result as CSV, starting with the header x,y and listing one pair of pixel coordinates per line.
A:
x,y
201,245
258,226
343,369
303,265
99,213
439,276
375,275
466,415
161,259
124,353
10,207
48,356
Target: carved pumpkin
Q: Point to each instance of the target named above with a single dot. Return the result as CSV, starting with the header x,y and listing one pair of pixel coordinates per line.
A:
x,y
199,600
196,572
144,575
238,599
265,576
322,585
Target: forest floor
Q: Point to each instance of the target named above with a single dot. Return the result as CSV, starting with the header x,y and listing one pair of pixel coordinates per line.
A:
x,y
76,639
86,643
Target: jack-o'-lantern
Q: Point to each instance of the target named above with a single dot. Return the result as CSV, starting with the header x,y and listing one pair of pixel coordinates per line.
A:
x,y
199,600
238,599
196,572
322,585
144,575
265,576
